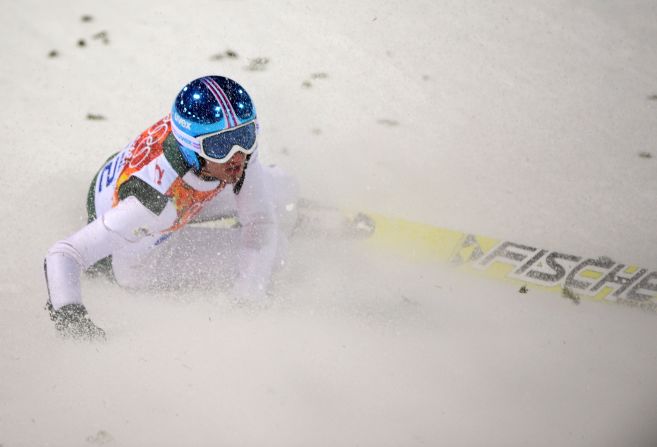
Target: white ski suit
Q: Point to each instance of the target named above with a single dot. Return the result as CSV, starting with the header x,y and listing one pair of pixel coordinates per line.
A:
x,y
139,205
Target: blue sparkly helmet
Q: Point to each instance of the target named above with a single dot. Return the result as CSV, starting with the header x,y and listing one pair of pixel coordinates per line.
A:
x,y
213,117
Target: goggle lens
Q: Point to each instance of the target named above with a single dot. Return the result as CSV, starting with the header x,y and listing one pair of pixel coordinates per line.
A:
x,y
219,146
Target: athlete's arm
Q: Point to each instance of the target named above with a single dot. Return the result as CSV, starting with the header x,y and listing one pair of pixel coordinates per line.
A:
x,y
258,233
124,224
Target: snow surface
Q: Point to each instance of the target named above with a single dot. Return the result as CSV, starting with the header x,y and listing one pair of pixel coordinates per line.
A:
x,y
523,120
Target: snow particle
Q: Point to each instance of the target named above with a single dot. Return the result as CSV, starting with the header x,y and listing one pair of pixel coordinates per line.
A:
x,y
314,76
230,54
102,36
100,438
388,122
257,64
569,294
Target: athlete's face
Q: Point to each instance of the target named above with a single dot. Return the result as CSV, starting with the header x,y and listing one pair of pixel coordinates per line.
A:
x,y
229,172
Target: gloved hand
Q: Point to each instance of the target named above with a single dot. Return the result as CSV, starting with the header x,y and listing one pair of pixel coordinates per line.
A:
x,y
72,321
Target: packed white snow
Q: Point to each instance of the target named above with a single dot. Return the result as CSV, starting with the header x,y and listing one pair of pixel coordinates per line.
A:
x,y
534,121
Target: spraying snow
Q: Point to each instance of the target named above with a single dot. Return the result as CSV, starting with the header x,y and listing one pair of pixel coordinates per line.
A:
x,y
533,121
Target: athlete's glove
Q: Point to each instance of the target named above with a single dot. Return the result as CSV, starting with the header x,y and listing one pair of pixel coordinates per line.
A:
x,y
72,321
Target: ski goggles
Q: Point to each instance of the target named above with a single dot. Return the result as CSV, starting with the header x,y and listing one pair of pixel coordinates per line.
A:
x,y
221,146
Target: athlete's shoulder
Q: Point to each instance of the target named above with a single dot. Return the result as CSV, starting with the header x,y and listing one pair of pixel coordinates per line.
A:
x,y
149,144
